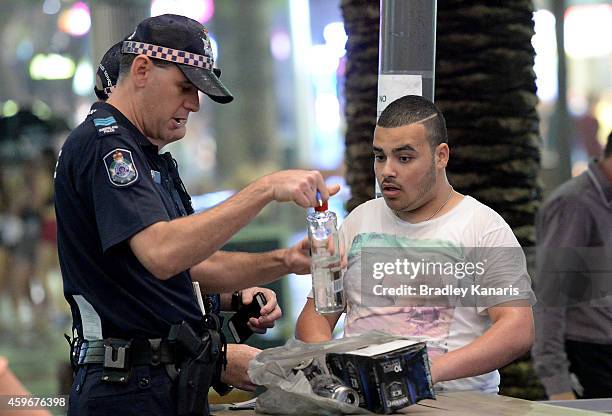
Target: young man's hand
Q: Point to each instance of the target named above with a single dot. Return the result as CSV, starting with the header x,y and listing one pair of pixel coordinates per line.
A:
x,y
297,257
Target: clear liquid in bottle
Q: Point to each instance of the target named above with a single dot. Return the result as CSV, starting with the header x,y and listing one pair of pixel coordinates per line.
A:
x,y
327,279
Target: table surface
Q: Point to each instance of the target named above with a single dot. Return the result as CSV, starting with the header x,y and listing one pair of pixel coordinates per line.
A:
x,y
468,404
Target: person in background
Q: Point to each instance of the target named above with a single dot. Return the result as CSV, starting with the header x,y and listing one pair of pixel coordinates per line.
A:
x,y
20,231
10,386
574,331
586,127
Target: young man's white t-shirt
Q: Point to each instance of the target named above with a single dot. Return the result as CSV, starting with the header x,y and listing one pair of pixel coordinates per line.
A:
x,y
443,328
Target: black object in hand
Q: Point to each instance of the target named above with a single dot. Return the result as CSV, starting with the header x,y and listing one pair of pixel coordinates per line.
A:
x,y
238,322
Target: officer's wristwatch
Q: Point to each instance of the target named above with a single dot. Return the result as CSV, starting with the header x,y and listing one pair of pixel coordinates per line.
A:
x,y
236,301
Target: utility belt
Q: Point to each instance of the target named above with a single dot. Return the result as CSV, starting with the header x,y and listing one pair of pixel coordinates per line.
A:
x,y
122,354
195,360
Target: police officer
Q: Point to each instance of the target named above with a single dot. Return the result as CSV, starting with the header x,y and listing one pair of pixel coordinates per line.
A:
x,y
239,355
127,251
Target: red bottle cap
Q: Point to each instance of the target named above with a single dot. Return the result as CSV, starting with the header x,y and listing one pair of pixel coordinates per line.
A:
x,y
322,207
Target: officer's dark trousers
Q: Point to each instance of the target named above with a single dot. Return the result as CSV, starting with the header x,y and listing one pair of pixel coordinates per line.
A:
x,y
149,391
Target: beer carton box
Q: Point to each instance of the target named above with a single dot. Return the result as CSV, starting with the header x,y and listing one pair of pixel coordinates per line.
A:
x,y
387,376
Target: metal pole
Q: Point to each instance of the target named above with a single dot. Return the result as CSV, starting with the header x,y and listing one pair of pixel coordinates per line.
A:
x,y
407,49
299,11
561,126
407,52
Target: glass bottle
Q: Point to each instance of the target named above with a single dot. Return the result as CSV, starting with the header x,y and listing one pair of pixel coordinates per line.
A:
x,y
325,266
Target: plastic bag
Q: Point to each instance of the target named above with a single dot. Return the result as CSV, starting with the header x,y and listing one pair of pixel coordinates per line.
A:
x,y
289,392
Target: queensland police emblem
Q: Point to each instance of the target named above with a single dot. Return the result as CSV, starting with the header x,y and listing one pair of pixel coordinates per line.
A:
x,y
120,167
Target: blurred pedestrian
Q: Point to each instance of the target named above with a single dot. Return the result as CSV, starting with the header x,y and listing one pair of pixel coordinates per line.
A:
x,y
574,321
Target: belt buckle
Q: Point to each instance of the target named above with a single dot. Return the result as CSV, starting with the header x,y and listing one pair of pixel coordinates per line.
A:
x,y
156,351
116,367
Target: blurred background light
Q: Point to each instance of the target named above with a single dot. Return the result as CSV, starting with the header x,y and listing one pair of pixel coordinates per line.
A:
x,y
335,37
209,200
75,21
327,112
322,60
587,27
545,44
51,6
51,66
214,45
206,153
10,108
280,45
41,110
200,10
83,81
24,50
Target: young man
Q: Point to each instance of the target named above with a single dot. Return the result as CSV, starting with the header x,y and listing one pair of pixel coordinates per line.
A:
x,y
128,251
467,344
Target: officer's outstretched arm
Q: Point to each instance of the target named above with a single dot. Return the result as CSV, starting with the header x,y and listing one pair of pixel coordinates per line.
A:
x,y
167,248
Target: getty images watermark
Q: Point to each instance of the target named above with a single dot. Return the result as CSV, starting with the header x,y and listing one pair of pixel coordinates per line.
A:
x,y
459,270
443,276
481,276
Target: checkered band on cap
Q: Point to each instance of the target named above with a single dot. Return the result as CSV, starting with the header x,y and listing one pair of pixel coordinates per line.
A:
x,y
168,54
109,90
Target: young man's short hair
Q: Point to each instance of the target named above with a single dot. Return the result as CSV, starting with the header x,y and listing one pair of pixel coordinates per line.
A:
x,y
411,109
608,148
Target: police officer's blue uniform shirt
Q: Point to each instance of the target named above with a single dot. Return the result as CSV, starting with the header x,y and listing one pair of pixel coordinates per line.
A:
x,y
111,183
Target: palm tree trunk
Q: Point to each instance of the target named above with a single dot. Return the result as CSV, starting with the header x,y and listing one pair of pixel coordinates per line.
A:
x,y
485,86
361,21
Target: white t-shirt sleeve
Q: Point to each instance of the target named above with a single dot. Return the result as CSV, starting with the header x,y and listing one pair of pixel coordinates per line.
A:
x,y
505,267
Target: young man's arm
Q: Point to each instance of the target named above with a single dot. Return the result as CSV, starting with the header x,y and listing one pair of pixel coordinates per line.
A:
x,y
312,327
169,247
510,336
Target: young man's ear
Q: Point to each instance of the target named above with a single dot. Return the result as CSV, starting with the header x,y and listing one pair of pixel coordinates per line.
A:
x,y
442,154
141,70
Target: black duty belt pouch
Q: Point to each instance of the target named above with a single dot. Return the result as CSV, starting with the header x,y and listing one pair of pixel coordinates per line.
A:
x,y
199,357
117,361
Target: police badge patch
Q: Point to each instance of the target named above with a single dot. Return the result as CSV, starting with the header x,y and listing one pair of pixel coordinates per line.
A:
x,y
120,167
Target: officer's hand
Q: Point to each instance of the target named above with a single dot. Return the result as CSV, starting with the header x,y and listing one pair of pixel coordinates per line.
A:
x,y
269,313
238,358
299,186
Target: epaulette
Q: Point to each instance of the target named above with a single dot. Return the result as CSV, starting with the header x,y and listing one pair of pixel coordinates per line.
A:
x,y
105,123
